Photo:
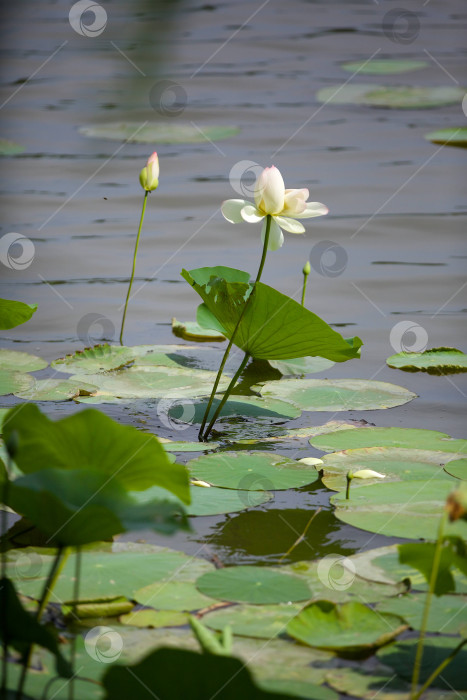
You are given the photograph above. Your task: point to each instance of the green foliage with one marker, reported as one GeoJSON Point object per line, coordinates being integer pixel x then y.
{"type": "Point", "coordinates": [14, 313]}
{"type": "Point", "coordinates": [420, 556]}
{"type": "Point", "coordinates": [434, 361]}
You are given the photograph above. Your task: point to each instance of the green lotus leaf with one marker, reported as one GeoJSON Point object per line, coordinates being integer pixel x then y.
{"type": "Point", "coordinates": [457, 468]}
{"type": "Point", "coordinates": [414, 438]}
{"type": "Point", "coordinates": [346, 628]}
{"type": "Point", "coordinates": [12, 382]}
{"type": "Point", "coordinates": [253, 584]}
{"type": "Point", "coordinates": [337, 394]}
{"type": "Point", "coordinates": [247, 406]}
{"type": "Point", "coordinates": [273, 326]}
{"type": "Point", "coordinates": [391, 97]}
{"type": "Point", "coordinates": [56, 390]}
{"type": "Point", "coordinates": [172, 595]}
{"type": "Point", "coordinates": [190, 330]}
{"type": "Point", "coordinates": [10, 148]}
{"type": "Point", "coordinates": [454, 136]}
{"type": "Point", "coordinates": [434, 361]}
{"type": "Point", "coordinates": [445, 616]}
{"type": "Point", "coordinates": [155, 618]}
{"type": "Point", "coordinates": [14, 313]}
{"type": "Point", "coordinates": [135, 132]}
{"type": "Point", "coordinates": [262, 621]}
{"type": "Point", "coordinates": [384, 66]}
{"type": "Point", "coordinates": [301, 365]}
{"type": "Point", "coordinates": [20, 361]}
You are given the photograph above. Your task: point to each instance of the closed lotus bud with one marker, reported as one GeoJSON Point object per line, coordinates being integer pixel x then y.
{"type": "Point", "coordinates": [307, 268]}
{"type": "Point", "coordinates": [368, 474]}
{"type": "Point", "coordinates": [149, 176]}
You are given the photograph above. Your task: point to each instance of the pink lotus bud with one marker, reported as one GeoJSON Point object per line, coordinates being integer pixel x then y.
{"type": "Point", "coordinates": [270, 191]}
{"type": "Point", "coordinates": [149, 176]}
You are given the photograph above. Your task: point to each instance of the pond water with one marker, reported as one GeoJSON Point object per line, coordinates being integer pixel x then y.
{"type": "Point", "coordinates": [397, 215]}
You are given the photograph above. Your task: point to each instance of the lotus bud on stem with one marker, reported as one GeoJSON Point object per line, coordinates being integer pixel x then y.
{"type": "Point", "coordinates": [349, 478]}
{"type": "Point", "coordinates": [306, 271]}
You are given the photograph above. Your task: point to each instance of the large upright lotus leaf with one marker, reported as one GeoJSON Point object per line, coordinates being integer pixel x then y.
{"type": "Point", "coordinates": [457, 468]}
{"type": "Point", "coordinates": [172, 595]}
{"type": "Point", "coordinates": [90, 439]}
{"type": "Point", "coordinates": [415, 438]}
{"type": "Point", "coordinates": [346, 628]}
{"type": "Point", "coordinates": [382, 565]}
{"type": "Point", "coordinates": [392, 97]}
{"type": "Point", "coordinates": [177, 674]}
{"type": "Point", "coordinates": [446, 612]}
{"type": "Point", "coordinates": [168, 132]}
{"type": "Point", "coordinates": [453, 136]}
{"type": "Point", "coordinates": [273, 326]}
{"type": "Point", "coordinates": [384, 66]}
{"type": "Point", "coordinates": [337, 394]}
{"type": "Point", "coordinates": [107, 570]}
{"type": "Point", "coordinates": [401, 657]}
{"type": "Point", "coordinates": [399, 509]}
{"type": "Point", "coordinates": [252, 471]}
{"type": "Point", "coordinates": [434, 361]}
{"type": "Point", "coordinates": [247, 406]}
{"type": "Point", "coordinates": [56, 390]}
{"type": "Point", "coordinates": [14, 313]}
{"type": "Point", "coordinates": [262, 621]}
{"type": "Point", "coordinates": [301, 365]}
{"type": "Point", "coordinates": [77, 506]}
{"type": "Point", "coordinates": [212, 500]}
{"type": "Point", "coordinates": [253, 584]}
{"type": "Point", "coordinates": [140, 382]}
{"type": "Point", "coordinates": [23, 361]}
{"type": "Point", "coordinates": [394, 463]}
{"type": "Point", "coordinates": [12, 382]}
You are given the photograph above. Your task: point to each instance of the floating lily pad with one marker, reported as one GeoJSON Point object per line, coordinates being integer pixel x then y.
{"type": "Point", "coordinates": [155, 618]}
{"type": "Point", "coordinates": [172, 595]}
{"type": "Point", "coordinates": [56, 390]}
{"type": "Point", "coordinates": [415, 438]}
{"type": "Point", "coordinates": [434, 361]}
{"type": "Point", "coordinates": [23, 361]}
{"type": "Point", "coordinates": [212, 500]}
{"type": "Point", "coordinates": [457, 468]}
{"type": "Point", "coordinates": [13, 382]}
{"type": "Point", "coordinates": [367, 684]}
{"type": "Point", "coordinates": [302, 365]}
{"type": "Point", "coordinates": [253, 584]}
{"type": "Point", "coordinates": [297, 688]}
{"type": "Point", "coordinates": [456, 136]}
{"type": "Point", "coordinates": [392, 97]}
{"type": "Point", "coordinates": [262, 621]}
{"type": "Point", "coordinates": [14, 313]}
{"type": "Point", "coordinates": [346, 628]}
{"type": "Point", "coordinates": [135, 132]}
{"type": "Point", "coordinates": [399, 509]}
{"type": "Point", "coordinates": [394, 463]}
{"type": "Point", "coordinates": [337, 394]}
{"type": "Point", "coordinates": [190, 330]}
{"type": "Point", "coordinates": [246, 406]}
{"type": "Point", "coordinates": [10, 148]}
{"type": "Point", "coordinates": [173, 446]}
{"type": "Point", "coordinates": [252, 471]}
{"type": "Point", "coordinates": [383, 66]}
{"type": "Point", "coordinates": [446, 612]}
{"type": "Point", "coordinates": [107, 570]}
{"type": "Point", "coordinates": [97, 608]}
{"type": "Point", "coordinates": [155, 382]}
{"type": "Point", "coordinates": [401, 656]}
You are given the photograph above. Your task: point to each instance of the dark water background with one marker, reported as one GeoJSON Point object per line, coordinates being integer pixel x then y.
{"type": "Point", "coordinates": [397, 211]}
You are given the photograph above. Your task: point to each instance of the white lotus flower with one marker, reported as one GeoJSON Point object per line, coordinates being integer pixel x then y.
{"type": "Point", "coordinates": [271, 198]}
{"type": "Point", "coordinates": [368, 474]}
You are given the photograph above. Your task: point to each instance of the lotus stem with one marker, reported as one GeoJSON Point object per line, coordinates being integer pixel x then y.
{"type": "Point", "coordinates": [306, 271]}
{"type": "Point", "coordinates": [134, 265]}
{"type": "Point", "coordinates": [227, 393]}
{"type": "Point", "coordinates": [75, 603]}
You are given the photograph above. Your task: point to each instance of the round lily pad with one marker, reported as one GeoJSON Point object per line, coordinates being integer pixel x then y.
{"type": "Point", "coordinates": [262, 621]}
{"type": "Point", "coordinates": [383, 66]}
{"type": "Point", "coordinates": [302, 365]}
{"type": "Point", "coordinates": [253, 584]}
{"type": "Point", "coordinates": [296, 689]}
{"type": "Point", "coordinates": [155, 618]}
{"type": "Point", "coordinates": [13, 382]}
{"type": "Point", "coordinates": [394, 463]}
{"type": "Point", "coordinates": [368, 684]}
{"type": "Point", "coordinates": [172, 595]}
{"type": "Point", "coordinates": [135, 132]}
{"type": "Point", "coordinates": [392, 97]}
{"type": "Point", "coordinates": [56, 390]}
{"type": "Point", "coordinates": [415, 438]}
{"type": "Point", "coordinates": [434, 361]}
{"type": "Point", "coordinates": [10, 148]}
{"type": "Point", "coordinates": [456, 136]}
{"type": "Point", "coordinates": [155, 381]}
{"type": "Point", "coordinates": [254, 471]}
{"type": "Point", "coordinates": [446, 612]}
{"type": "Point", "coordinates": [337, 394]}
{"type": "Point", "coordinates": [190, 330]}
{"type": "Point", "coordinates": [247, 406]}
{"type": "Point", "coordinates": [180, 446]}
{"type": "Point", "coordinates": [399, 509]}
{"type": "Point", "coordinates": [20, 361]}
{"type": "Point", "coordinates": [349, 628]}
{"type": "Point", "coordinates": [457, 468]}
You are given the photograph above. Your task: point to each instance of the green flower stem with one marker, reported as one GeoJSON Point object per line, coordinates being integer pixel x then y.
{"type": "Point", "coordinates": [4, 611]}
{"type": "Point", "coordinates": [134, 265]}
{"type": "Point", "coordinates": [426, 610]}
{"type": "Point", "coordinates": [227, 393]}
{"type": "Point", "coordinates": [54, 573]}
{"type": "Point", "coordinates": [305, 281]}
{"type": "Point", "coordinates": [349, 478]}
{"type": "Point", "coordinates": [439, 669]}
{"type": "Point", "coordinates": [75, 603]}
{"type": "Point", "coordinates": [229, 346]}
